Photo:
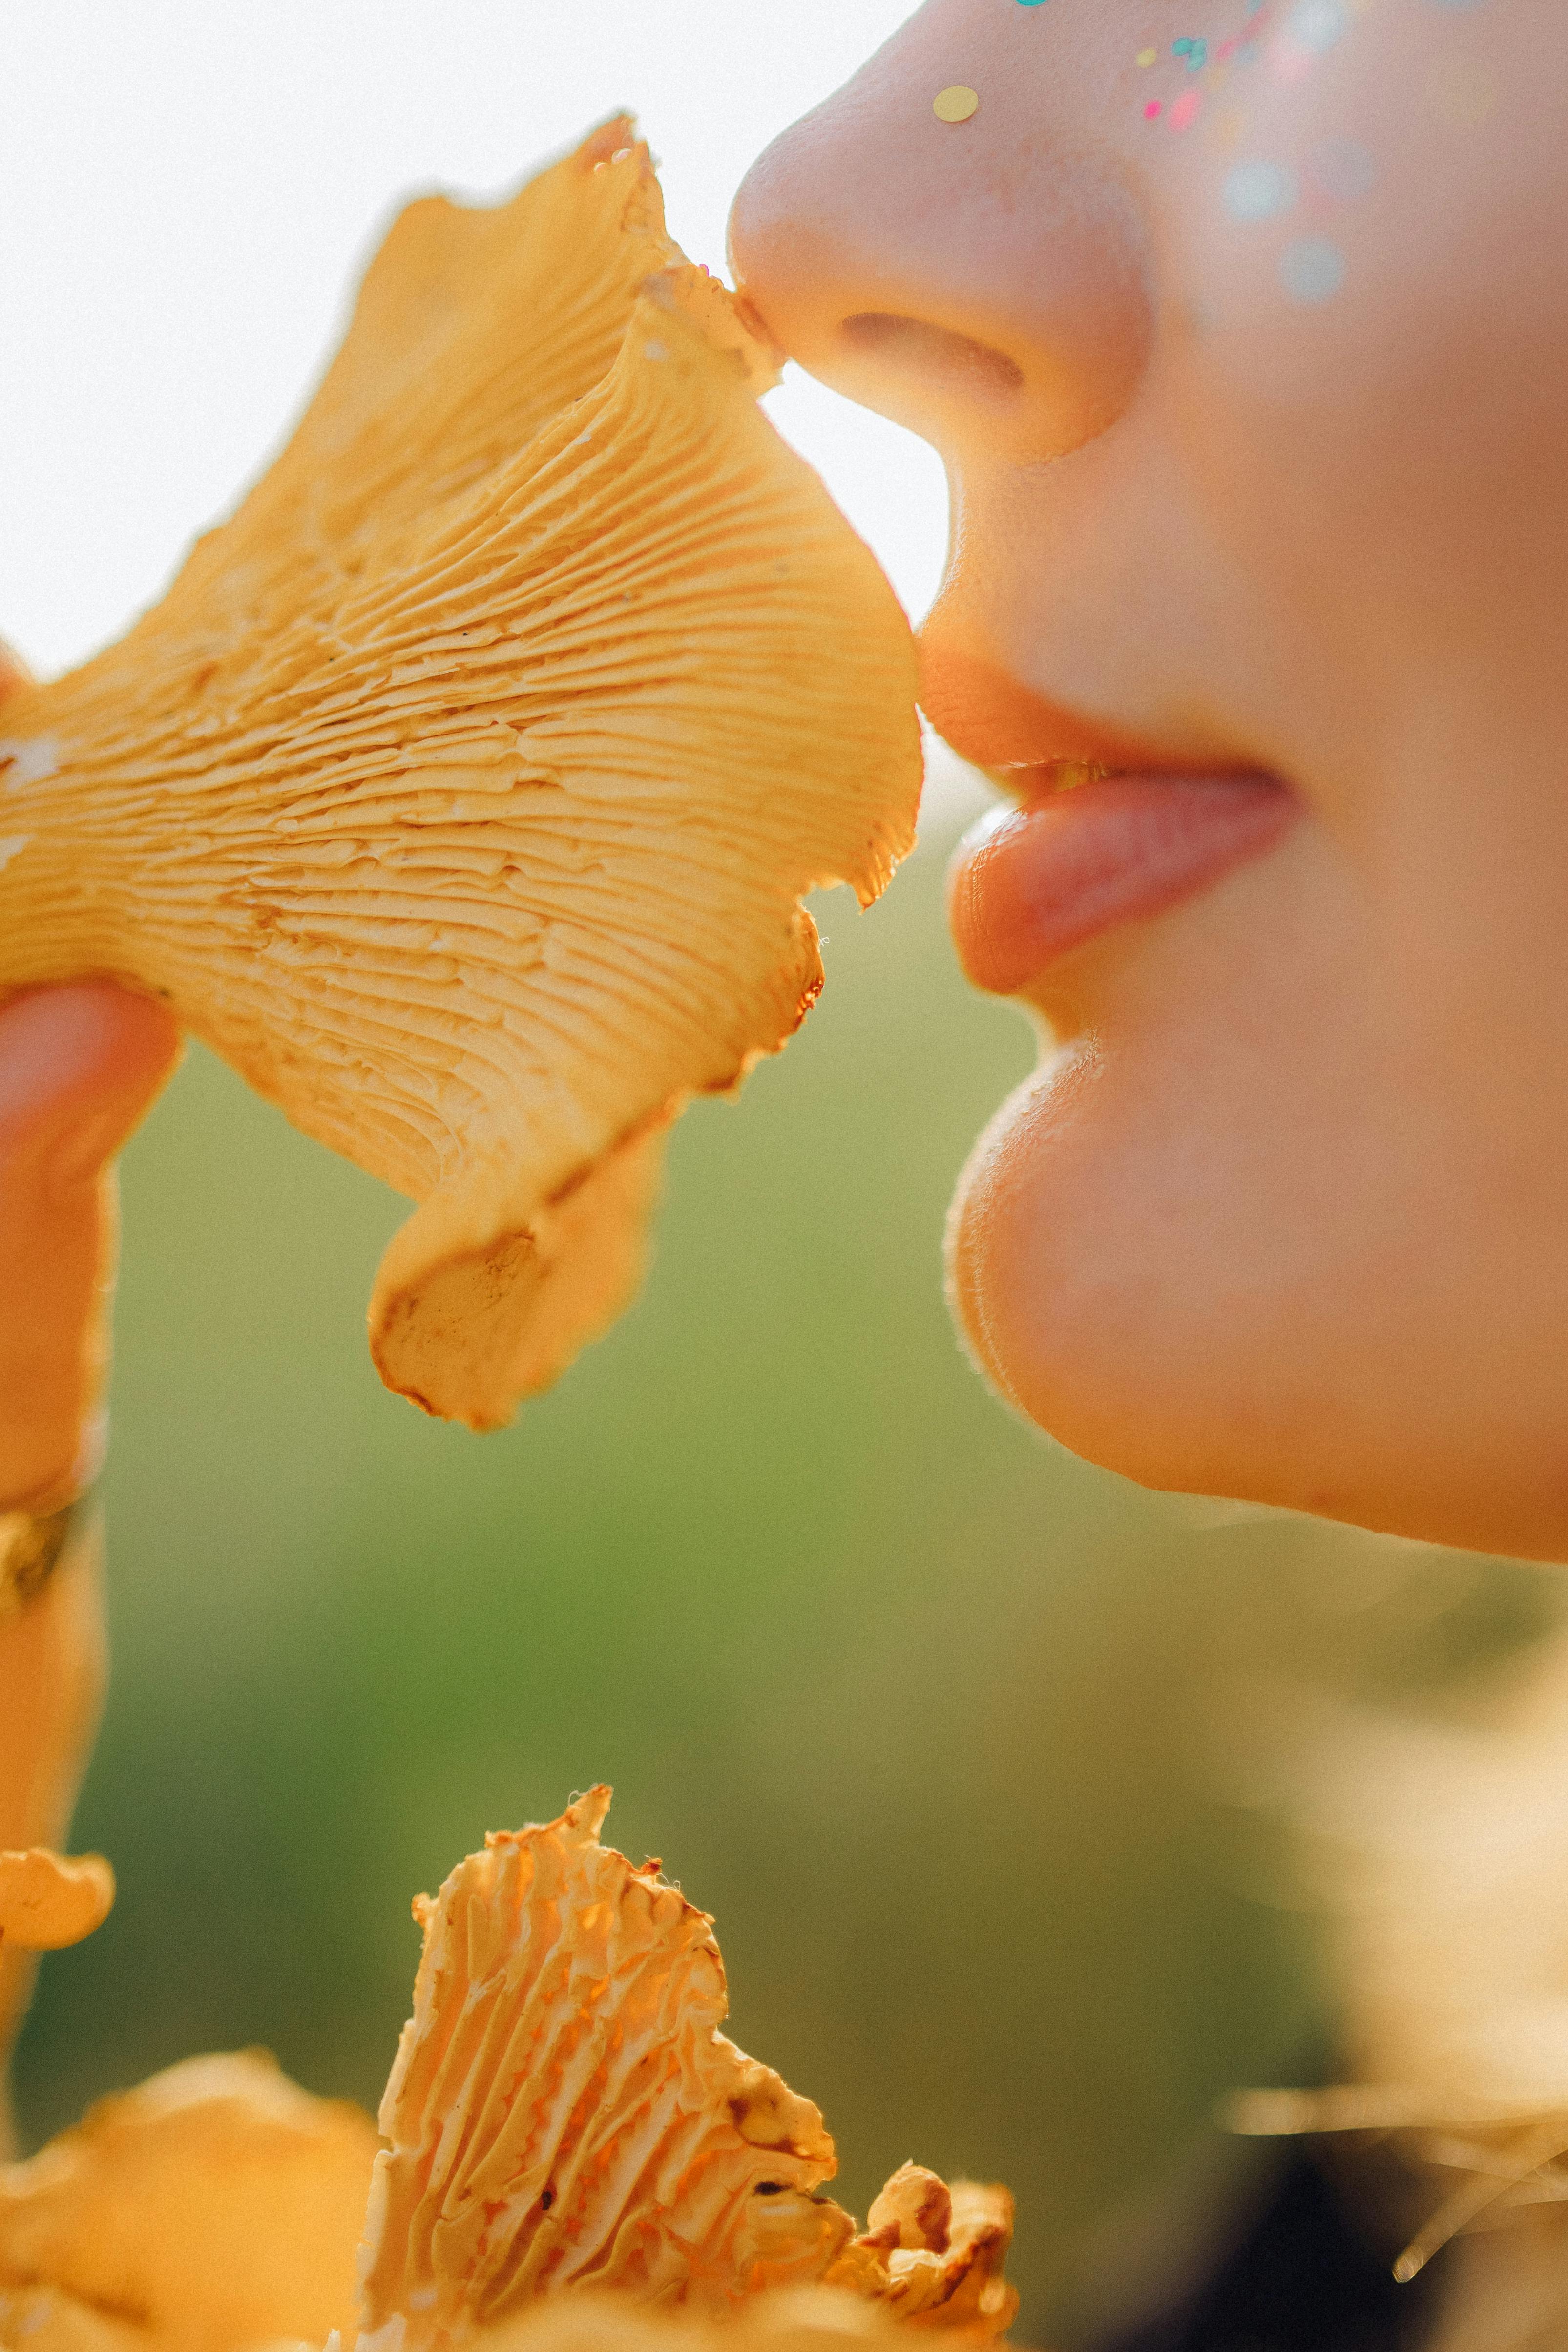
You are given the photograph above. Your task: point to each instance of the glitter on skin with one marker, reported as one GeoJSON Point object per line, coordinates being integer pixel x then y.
{"type": "Point", "coordinates": [1258, 191]}
{"type": "Point", "coordinates": [956, 103]}
{"type": "Point", "coordinates": [1311, 270]}
{"type": "Point", "coordinates": [1317, 25]}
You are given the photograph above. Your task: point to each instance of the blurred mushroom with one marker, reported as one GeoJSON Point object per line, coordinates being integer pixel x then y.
{"type": "Point", "coordinates": [213, 2208]}
{"type": "Point", "coordinates": [48, 1900]}
{"type": "Point", "coordinates": [464, 788]}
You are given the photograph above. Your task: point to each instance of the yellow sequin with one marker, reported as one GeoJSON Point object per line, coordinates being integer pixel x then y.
{"type": "Point", "coordinates": [954, 104]}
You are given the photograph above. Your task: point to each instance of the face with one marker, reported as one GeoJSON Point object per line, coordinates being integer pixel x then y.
{"type": "Point", "coordinates": [1243, 332]}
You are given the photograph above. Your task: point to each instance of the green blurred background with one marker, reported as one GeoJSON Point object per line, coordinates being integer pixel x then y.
{"type": "Point", "coordinates": [922, 1710]}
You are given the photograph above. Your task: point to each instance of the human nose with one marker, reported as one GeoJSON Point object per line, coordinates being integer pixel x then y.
{"type": "Point", "coordinates": [984, 282]}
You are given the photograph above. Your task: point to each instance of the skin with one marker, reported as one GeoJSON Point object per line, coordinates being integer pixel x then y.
{"type": "Point", "coordinates": [1283, 1214]}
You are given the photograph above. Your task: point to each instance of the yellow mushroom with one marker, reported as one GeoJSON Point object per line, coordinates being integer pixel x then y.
{"type": "Point", "coordinates": [564, 2120]}
{"type": "Point", "coordinates": [463, 790]}
{"type": "Point", "coordinates": [49, 1900]}
{"type": "Point", "coordinates": [565, 2111]}
{"type": "Point", "coordinates": [213, 2208]}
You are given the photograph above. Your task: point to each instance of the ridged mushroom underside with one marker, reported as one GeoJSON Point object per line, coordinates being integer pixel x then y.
{"type": "Point", "coordinates": [464, 788]}
{"type": "Point", "coordinates": [566, 2128]}
{"type": "Point", "coordinates": [565, 2113]}
{"type": "Point", "coordinates": [564, 2110]}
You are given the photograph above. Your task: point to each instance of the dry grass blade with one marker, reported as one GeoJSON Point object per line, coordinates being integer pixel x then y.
{"type": "Point", "coordinates": [1505, 2154]}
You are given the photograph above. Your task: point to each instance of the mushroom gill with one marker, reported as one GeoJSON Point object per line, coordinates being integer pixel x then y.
{"type": "Point", "coordinates": [464, 788]}
{"type": "Point", "coordinates": [566, 2131]}
{"type": "Point", "coordinates": [565, 2113]}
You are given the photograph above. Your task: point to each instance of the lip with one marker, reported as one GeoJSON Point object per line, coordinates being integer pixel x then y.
{"type": "Point", "coordinates": [1033, 882]}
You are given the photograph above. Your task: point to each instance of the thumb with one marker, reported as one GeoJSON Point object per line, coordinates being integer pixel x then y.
{"type": "Point", "coordinates": [79, 1066]}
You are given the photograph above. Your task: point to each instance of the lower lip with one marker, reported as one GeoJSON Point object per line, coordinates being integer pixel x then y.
{"type": "Point", "coordinates": [1034, 882]}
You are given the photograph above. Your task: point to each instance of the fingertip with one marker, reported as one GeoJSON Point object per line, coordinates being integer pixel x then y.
{"type": "Point", "coordinates": [91, 1055]}
{"type": "Point", "coordinates": [14, 671]}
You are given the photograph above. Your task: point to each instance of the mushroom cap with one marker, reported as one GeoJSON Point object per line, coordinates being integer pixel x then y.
{"type": "Point", "coordinates": [49, 1900]}
{"type": "Point", "coordinates": [464, 788]}
{"type": "Point", "coordinates": [213, 2208]}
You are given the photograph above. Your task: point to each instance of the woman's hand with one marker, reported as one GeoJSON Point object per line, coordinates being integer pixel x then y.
{"type": "Point", "coordinates": [79, 1066]}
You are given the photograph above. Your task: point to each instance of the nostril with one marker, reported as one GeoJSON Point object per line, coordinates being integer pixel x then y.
{"type": "Point", "coordinates": [935, 358]}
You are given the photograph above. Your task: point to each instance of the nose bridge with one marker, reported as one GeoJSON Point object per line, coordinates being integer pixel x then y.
{"type": "Point", "coordinates": [984, 281]}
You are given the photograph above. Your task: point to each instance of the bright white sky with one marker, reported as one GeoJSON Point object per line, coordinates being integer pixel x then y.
{"type": "Point", "coordinates": [187, 193]}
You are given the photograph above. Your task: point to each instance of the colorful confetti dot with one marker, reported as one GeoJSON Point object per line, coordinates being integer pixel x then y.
{"type": "Point", "coordinates": [1185, 110]}
{"type": "Point", "coordinates": [1147, 56]}
{"type": "Point", "coordinates": [955, 103]}
{"type": "Point", "coordinates": [1258, 191]}
{"type": "Point", "coordinates": [1317, 25]}
{"type": "Point", "coordinates": [1153, 112]}
{"type": "Point", "coordinates": [1311, 270]}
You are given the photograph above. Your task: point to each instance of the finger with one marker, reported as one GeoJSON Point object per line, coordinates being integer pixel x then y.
{"type": "Point", "coordinates": [79, 1066]}
{"type": "Point", "coordinates": [14, 670]}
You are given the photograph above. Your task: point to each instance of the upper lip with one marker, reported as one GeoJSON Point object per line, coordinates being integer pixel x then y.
{"type": "Point", "coordinates": [1024, 739]}
{"type": "Point", "coordinates": [1048, 776]}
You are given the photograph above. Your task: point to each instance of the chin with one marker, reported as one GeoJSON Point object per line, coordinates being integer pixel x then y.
{"type": "Point", "coordinates": [1206, 1247]}
{"type": "Point", "coordinates": [1087, 1297]}
{"type": "Point", "coordinates": [1150, 1335]}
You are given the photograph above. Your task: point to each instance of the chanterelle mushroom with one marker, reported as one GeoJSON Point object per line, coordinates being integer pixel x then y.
{"type": "Point", "coordinates": [564, 2120]}
{"type": "Point", "coordinates": [49, 1900]}
{"type": "Point", "coordinates": [213, 2208]}
{"type": "Point", "coordinates": [565, 2111]}
{"type": "Point", "coordinates": [463, 789]}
